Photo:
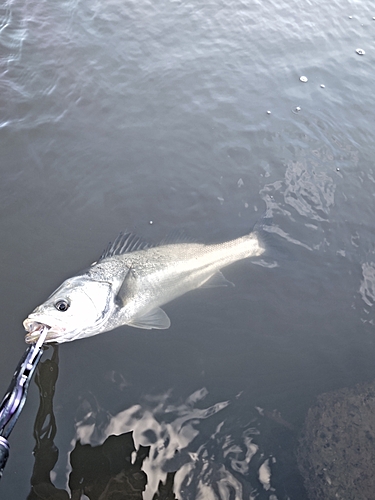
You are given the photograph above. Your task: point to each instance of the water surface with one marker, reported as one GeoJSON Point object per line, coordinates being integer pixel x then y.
{"type": "Point", "coordinates": [151, 117]}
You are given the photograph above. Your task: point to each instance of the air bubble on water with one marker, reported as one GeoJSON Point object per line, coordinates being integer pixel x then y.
{"type": "Point", "coordinates": [361, 52]}
{"type": "Point", "coordinates": [337, 169]}
{"type": "Point", "coordinates": [322, 86]}
{"type": "Point", "coordinates": [151, 222]}
{"type": "Point", "coordinates": [296, 109]}
{"type": "Point", "coordinates": [268, 112]}
{"type": "Point", "coordinates": [303, 79]}
{"type": "Point", "coordinates": [350, 17]}
{"type": "Point", "coordinates": [240, 182]}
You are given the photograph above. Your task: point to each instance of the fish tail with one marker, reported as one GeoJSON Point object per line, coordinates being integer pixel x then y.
{"type": "Point", "coordinates": [259, 235]}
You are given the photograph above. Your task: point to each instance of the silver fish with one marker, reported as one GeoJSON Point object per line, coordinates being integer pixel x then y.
{"type": "Point", "coordinates": [130, 282]}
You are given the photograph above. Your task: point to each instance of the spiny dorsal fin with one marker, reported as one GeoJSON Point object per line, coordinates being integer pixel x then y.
{"type": "Point", "coordinates": [124, 243]}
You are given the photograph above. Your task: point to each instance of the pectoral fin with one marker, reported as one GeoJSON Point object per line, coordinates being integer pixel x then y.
{"type": "Point", "coordinates": [156, 318]}
{"type": "Point", "coordinates": [127, 289]}
{"type": "Point", "coordinates": [216, 280]}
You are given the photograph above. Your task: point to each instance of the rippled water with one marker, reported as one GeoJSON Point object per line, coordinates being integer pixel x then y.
{"type": "Point", "coordinates": [152, 116]}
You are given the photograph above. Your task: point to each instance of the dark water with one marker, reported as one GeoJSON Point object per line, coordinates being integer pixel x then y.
{"type": "Point", "coordinates": [115, 114]}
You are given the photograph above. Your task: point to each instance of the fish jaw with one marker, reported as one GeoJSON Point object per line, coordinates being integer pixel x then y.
{"type": "Point", "coordinates": [34, 326]}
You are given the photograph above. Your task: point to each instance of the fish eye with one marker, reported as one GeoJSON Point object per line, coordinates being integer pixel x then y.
{"type": "Point", "coordinates": [62, 305]}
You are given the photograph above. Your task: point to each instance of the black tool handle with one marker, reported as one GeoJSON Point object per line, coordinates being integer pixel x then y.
{"type": "Point", "coordinates": [4, 453]}
{"type": "Point", "coordinates": [15, 397]}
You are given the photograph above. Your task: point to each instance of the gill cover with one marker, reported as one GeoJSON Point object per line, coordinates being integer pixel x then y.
{"type": "Point", "coordinates": [86, 299]}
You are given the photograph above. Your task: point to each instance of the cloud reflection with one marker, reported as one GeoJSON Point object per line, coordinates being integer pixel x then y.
{"type": "Point", "coordinates": [367, 287]}
{"type": "Point", "coordinates": [194, 443]}
{"type": "Point", "coordinates": [158, 449]}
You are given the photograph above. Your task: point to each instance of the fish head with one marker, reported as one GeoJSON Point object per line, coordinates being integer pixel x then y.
{"type": "Point", "coordinates": [80, 307]}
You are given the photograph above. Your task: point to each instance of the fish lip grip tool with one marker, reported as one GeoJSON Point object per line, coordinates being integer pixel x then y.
{"type": "Point", "coordinates": [15, 397]}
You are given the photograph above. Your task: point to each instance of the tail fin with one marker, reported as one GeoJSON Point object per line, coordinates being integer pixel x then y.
{"type": "Point", "coordinates": [273, 246]}
{"type": "Point", "coordinates": [260, 232]}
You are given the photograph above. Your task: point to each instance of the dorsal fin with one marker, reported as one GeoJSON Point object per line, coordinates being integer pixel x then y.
{"type": "Point", "coordinates": [124, 243]}
{"type": "Point", "coordinates": [176, 236]}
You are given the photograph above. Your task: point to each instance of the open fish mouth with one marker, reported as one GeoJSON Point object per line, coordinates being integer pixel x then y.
{"type": "Point", "coordinates": [35, 328]}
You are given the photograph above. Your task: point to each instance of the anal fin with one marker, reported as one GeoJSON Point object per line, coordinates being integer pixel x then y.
{"type": "Point", "coordinates": [157, 318]}
{"type": "Point", "coordinates": [215, 280]}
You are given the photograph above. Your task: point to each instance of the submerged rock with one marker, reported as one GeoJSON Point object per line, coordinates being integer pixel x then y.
{"type": "Point", "coordinates": [336, 454]}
